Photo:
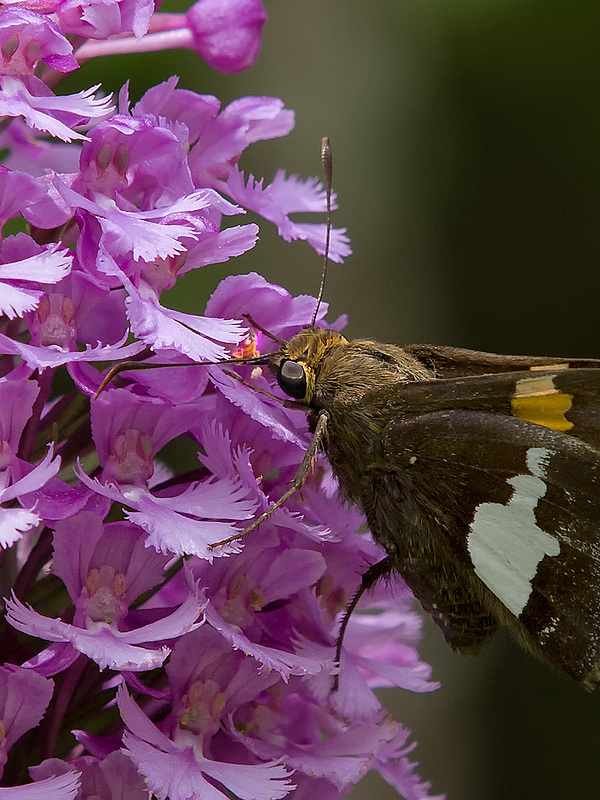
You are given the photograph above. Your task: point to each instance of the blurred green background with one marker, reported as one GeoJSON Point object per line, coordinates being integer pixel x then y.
{"type": "Point", "coordinates": [467, 162]}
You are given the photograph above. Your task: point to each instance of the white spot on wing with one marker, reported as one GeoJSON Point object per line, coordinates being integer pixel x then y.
{"type": "Point", "coordinates": [506, 544]}
{"type": "Point", "coordinates": [537, 461]}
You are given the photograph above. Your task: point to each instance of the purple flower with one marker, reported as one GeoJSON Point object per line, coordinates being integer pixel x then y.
{"type": "Point", "coordinates": [26, 38]}
{"type": "Point", "coordinates": [64, 786]}
{"type": "Point", "coordinates": [18, 193]}
{"type": "Point", "coordinates": [238, 589]}
{"type": "Point", "coordinates": [24, 696]}
{"type": "Point", "coordinates": [36, 265]}
{"type": "Point", "coordinates": [393, 765]}
{"type": "Point", "coordinates": [31, 154]}
{"type": "Point", "coordinates": [105, 568]}
{"type": "Point", "coordinates": [114, 163]}
{"type": "Point", "coordinates": [284, 196]}
{"type": "Point", "coordinates": [227, 33]}
{"type": "Point", "coordinates": [197, 658]}
{"type": "Point", "coordinates": [111, 776]}
{"type": "Point", "coordinates": [99, 20]}
{"type": "Point", "coordinates": [74, 311]}
{"type": "Point", "coordinates": [19, 480]}
{"type": "Point", "coordinates": [216, 138]}
{"type": "Point", "coordinates": [47, 113]}
{"type": "Point", "coordinates": [181, 759]}
{"type": "Point", "coordinates": [128, 431]}
{"type": "Point", "coordinates": [14, 521]}
{"type": "Point", "coordinates": [17, 396]}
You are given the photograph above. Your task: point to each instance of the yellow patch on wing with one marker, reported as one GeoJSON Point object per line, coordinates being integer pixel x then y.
{"type": "Point", "coordinates": [565, 365]}
{"type": "Point", "coordinates": [537, 399]}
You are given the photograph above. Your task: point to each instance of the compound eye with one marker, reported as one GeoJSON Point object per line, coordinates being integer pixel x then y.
{"type": "Point", "coordinates": [292, 379]}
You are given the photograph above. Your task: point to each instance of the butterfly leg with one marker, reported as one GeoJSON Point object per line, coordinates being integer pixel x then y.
{"type": "Point", "coordinates": [297, 483]}
{"type": "Point", "coordinates": [368, 580]}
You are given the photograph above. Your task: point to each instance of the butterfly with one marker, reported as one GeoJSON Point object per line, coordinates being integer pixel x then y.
{"type": "Point", "coordinates": [479, 474]}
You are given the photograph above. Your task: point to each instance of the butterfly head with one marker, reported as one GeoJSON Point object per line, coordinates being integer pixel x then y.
{"type": "Point", "coordinates": [297, 364]}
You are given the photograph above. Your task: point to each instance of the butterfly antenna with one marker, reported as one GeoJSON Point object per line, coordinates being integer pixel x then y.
{"type": "Point", "coordinates": [127, 366]}
{"type": "Point", "coordinates": [327, 163]}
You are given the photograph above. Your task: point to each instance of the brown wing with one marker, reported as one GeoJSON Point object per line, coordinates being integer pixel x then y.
{"type": "Point", "coordinates": [454, 362]}
{"type": "Point", "coordinates": [494, 518]}
{"type": "Point", "coordinates": [565, 399]}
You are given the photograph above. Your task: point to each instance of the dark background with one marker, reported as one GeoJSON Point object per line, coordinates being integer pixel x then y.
{"type": "Point", "coordinates": [467, 162]}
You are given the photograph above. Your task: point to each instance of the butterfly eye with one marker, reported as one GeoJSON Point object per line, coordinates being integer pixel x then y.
{"type": "Point", "coordinates": [292, 379]}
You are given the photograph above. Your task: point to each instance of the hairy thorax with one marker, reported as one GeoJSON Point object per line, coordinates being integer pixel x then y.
{"type": "Point", "coordinates": [350, 381]}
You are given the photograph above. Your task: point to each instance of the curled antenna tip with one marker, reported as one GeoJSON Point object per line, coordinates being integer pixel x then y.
{"type": "Point", "coordinates": [327, 162]}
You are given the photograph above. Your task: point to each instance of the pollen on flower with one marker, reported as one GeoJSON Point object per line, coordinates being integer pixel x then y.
{"type": "Point", "coordinates": [131, 458]}
{"type": "Point", "coordinates": [204, 706]}
{"type": "Point", "coordinates": [244, 597]}
{"type": "Point", "coordinates": [53, 322]}
{"type": "Point", "coordinates": [6, 457]}
{"type": "Point", "coordinates": [248, 347]}
{"type": "Point", "coordinates": [20, 55]}
{"type": "Point", "coordinates": [260, 718]}
{"type": "Point", "coordinates": [161, 273]}
{"type": "Point", "coordinates": [9, 47]}
{"type": "Point", "coordinates": [110, 165]}
{"type": "Point", "coordinates": [104, 158]}
{"type": "Point", "coordinates": [333, 597]}
{"type": "Point", "coordinates": [117, 156]}
{"type": "Point", "coordinates": [121, 158]}
{"type": "Point", "coordinates": [106, 589]}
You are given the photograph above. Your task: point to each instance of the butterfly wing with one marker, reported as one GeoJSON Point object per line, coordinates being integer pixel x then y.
{"type": "Point", "coordinates": [493, 518]}
{"type": "Point", "coordinates": [455, 362]}
{"type": "Point", "coordinates": [565, 399]}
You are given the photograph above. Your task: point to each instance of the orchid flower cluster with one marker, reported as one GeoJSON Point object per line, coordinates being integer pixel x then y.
{"type": "Point", "coordinates": [145, 650]}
